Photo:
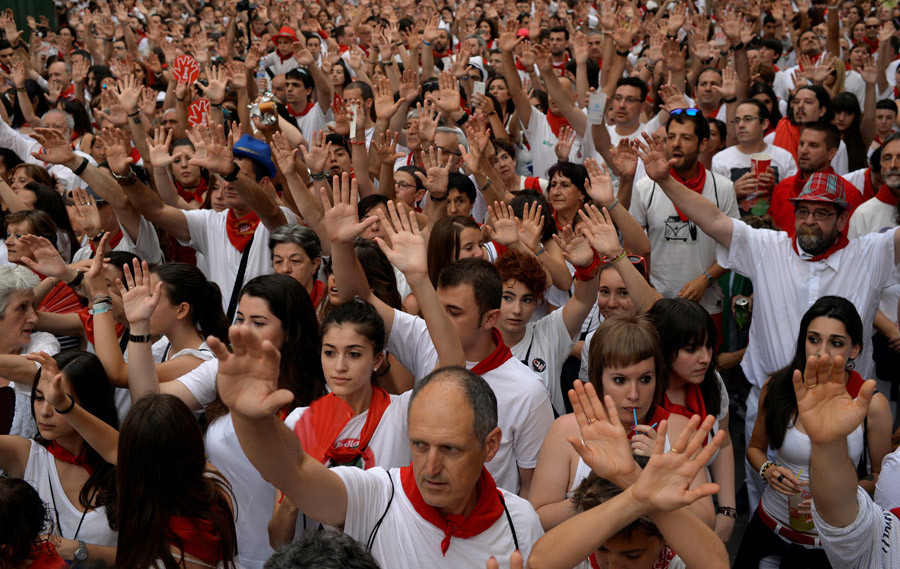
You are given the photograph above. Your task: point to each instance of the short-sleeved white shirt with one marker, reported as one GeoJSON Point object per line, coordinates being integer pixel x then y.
{"type": "Point", "coordinates": [887, 488]}
{"type": "Point", "coordinates": [313, 120]}
{"type": "Point", "coordinates": [146, 246]}
{"type": "Point", "coordinates": [732, 163]}
{"type": "Point", "coordinates": [544, 349]}
{"type": "Point", "coordinates": [543, 141]}
{"type": "Point", "coordinates": [523, 406]}
{"type": "Point", "coordinates": [785, 286]}
{"type": "Point", "coordinates": [201, 381]}
{"type": "Point", "coordinates": [406, 540]}
{"type": "Point", "coordinates": [871, 541]}
{"type": "Point", "coordinates": [681, 251]}
{"type": "Point", "coordinates": [209, 237]}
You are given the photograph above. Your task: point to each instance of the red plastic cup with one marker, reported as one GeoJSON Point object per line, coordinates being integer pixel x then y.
{"type": "Point", "coordinates": [759, 163]}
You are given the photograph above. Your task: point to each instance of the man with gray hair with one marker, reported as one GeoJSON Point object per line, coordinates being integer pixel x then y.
{"type": "Point", "coordinates": [322, 549]}
{"type": "Point", "coordinates": [443, 510]}
{"type": "Point", "coordinates": [24, 146]}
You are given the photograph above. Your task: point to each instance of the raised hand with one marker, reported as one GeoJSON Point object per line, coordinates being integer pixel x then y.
{"type": "Point", "coordinates": [653, 153]}
{"type": "Point", "coordinates": [316, 156]}
{"type": "Point", "coordinates": [564, 146]}
{"type": "Point", "coordinates": [599, 187]}
{"type": "Point", "coordinates": [531, 228]}
{"type": "Point", "coordinates": [303, 55]}
{"type": "Point", "coordinates": [387, 148]}
{"type": "Point", "coordinates": [139, 300]}
{"type": "Point", "coordinates": [576, 249]}
{"type": "Point", "coordinates": [408, 250]}
{"type": "Point", "coordinates": [55, 149]}
{"type": "Point", "coordinates": [342, 112]}
{"type": "Point", "coordinates": [47, 260]}
{"type": "Point", "coordinates": [826, 409]}
{"type": "Point", "coordinates": [598, 229]}
{"type": "Point", "coordinates": [604, 443]}
{"type": "Point", "coordinates": [509, 38]}
{"type": "Point", "coordinates": [626, 158]}
{"type": "Point", "coordinates": [283, 153]}
{"type": "Point", "coordinates": [118, 150]}
{"type": "Point", "coordinates": [53, 391]}
{"type": "Point", "coordinates": [217, 77]}
{"type": "Point", "coordinates": [385, 106]}
{"type": "Point", "coordinates": [87, 215]}
{"type": "Point", "coordinates": [219, 157]}
{"type": "Point", "coordinates": [147, 104]}
{"type": "Point", "coordinates": [341, 220]}
{"type": "Point", "coordinates": [409, 86]}
{"type": "Point", "coordinates": [448, 95]}
{"type": "Point", "coordinates": [436, 175]}
{"type": "Point", "coordinates": [247, 379]}
{"type": "Point", "coordinates": [236, 75]}
{"type": "Point", "coordinates": [580, 48]}
{"type": "Point", "coordinates": [728, 90]}
{"type": "Point", "coordinates": [428, 122]}
{"type": "Point", "coordinates": [502, 225]}
{"type": "Point", "coordinates": [159, 149]}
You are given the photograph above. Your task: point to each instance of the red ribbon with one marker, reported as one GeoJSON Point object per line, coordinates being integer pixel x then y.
{"type": "Point", "coordinates": [487, 510]}
{"type": "Point", "coordinates": [61, 454]}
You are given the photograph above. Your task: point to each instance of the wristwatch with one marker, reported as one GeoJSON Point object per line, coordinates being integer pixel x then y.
{"type": "Point", "coordinates": [709, 278]}
{"type": "Point", "coordinates": [81, 553]}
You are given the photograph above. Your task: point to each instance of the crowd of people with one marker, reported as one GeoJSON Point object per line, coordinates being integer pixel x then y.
{"type": "Point", "coordinates": [295, 284]}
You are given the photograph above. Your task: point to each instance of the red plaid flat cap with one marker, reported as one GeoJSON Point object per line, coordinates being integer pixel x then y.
{"type": "Point", "coordinates": [823, 187]}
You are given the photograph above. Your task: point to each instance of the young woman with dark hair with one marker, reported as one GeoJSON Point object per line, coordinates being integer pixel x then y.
{"type": "Point", "coordinates": [68, 463]}
{"type": "Point", "coordinates": [274, 307]}
{"type": "Point", "coordinates": [24, 526]}
{"type": "Point", "coordinates": [453, 238]}
{"type": "Point", "coordinates": [781, 529]}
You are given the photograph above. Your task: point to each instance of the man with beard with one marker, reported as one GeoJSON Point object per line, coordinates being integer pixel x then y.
{"type": "Point", "coordinates": [807, 44]}
{"type": "Point", "coordinates": [684, 260]}
{"type": "Point", "coordinates": [818, 145]}
{"type": "Point", "coordinates": [809, 104]}
{"type": "Point", "coordinates": [879, 215]}
{"type": "Point", "coordinates": [788, 274]}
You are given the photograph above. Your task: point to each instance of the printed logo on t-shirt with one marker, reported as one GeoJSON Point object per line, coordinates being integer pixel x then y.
{"type": "Point", "coordinates": [538, 365]}
{"type": "Point", "coordinates": [678, 230]}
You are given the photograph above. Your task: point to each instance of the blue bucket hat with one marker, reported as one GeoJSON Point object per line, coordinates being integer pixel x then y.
{"type": "Point", "coordinates": [249, 147]}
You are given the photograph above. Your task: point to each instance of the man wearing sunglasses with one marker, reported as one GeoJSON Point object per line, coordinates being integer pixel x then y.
{"type": "Point", "coordinates": [789, 274]}
{"type": "Point", "coordinates": [684, 258]}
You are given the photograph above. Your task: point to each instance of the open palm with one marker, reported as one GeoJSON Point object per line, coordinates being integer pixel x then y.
{"type": "Point", "coordinates": [826, 409]}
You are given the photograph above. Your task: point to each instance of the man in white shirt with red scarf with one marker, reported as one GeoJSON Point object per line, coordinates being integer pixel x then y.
{"type": "Point", "coordinates": [789, 274]}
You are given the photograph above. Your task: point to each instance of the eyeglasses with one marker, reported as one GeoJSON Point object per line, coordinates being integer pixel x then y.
{"type": "Point", "coordinates": [404, 186]}
{"type": "Point", "coordinates": [818, 214]}
{"type": "Point", "coordinates": [629, 100]}
{"type": "Point", "coordinates": [748, 120]}
{"type": "Point", "coordinates": [873, 26]}
{"type": "Point", "coordinates": [688, 112]}
{"type": "Point", "coordinates": [448, 151]}
{"type": "Point", "coordinates": [639, 262]}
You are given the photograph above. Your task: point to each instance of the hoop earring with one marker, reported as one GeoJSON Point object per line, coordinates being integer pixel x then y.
{"type": "Point", "coordinates": [850, 365]}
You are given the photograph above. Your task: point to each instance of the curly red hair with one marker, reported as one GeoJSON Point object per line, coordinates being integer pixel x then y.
{"type": "Point", "coordinates": [515, 265]}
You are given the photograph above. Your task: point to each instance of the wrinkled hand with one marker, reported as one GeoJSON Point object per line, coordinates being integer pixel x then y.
{"type": "Point", "coordinates": [55, 149]}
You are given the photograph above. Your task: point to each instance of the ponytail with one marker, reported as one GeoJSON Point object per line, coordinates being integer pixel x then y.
{"type": "Point", "coordinates": [186, 283]}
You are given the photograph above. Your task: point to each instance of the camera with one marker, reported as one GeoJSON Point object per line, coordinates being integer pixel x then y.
{"type": "Point", "coordinates": [245, 5]}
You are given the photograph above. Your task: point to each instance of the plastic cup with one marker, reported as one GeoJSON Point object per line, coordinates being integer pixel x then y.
{"type": "Point", "coordinates": [799, 521]}
{"type": "Point", "coordinates": [759, 163]}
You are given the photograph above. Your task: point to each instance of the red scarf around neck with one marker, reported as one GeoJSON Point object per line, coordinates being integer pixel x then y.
{"type": "Point", "coordinates": [868, 189]}
{"type": "Point", "coordinates": [556, 122]}
{"type": "Point", "coordinates": [841, 242]}
{"type": "Point", "coordinates": [497, 358]}
{"type": "Point", "coordinates": [44, 556]}
{"type": "Point", "coordinates": [113, 241]}
{"type": "Point", "coordinates": [62, 455]}
{"type": "Point", "coordinates": [694, 404]}
{"type": "Point", "coordinates": [283, 58]}
{"type": "Point", "coordinates": [319, 428]}
{"type": "Point", "coordinates": [885, 195]}
{"type": "Point", "coordinates": [302, 113]}
{"type": "Point", "coordinates": [195, 195]}
{"type": "Point", "coordinates": [240, 229]}
{"type": "Point", "coordinates": [198, 537]}
{"type": "Point", "coordinates": [695, 184]}
{"type": "Point", "coordinates": [487, 510]}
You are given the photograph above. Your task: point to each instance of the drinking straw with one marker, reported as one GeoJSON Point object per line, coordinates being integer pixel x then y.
{"type": "Point", "coordinates": [635, 416]}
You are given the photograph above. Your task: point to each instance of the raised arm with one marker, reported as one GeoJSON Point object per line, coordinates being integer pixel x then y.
{"type": "Point", "coordinates": [563, 98]}
{"type": "Point", "coordinates": [324, 88]}
{"type": "Point", "coordinates": [507, 42]}
{"type": "Point", "coordinates": [247, 382]}
{"type": "Point", "coordinates": [600, 190]}
{"type": "Point", "coordinates": [709, 218]}
{"type": "Point", "coordinates": [578, 251]}
{"type": "Point", "coordinates": [309, 207]}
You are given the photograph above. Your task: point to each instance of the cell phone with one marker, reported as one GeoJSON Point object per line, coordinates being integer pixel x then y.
{"type": "Point", "coordinates": [479, 87]}
{"type": "Point", "coordinates": [216, 35]}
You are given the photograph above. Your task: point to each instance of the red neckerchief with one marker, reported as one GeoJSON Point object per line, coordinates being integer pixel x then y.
{"type": "Point", "coordinates": [60, 300]}
{"type": "Point", "coordinates": [695, 184]}
{"type": "Point", "coordinates": [44, 556]}
{"type": "Point", "coordinates": [198, 537]}
{"type": "Point", "coordinates": [240, 229]}
{"type": "Point", "coordinates": [713, 114]}
{"type": "Point", "coordinates": [868, 190]}
{"type": "Point", "coordinates": [61, 454]}
{"type": "Point", "coordinates": [113, 241]}
{"type": "Point", "coordinates": [885, 195]}
{"type": "Point", "coordinates": [87, 322]}
{"type": "Point", "coordinates": [192, 196]}
{"type": "Point", "coordinates": [135, 155]}
{"type": "Point", "coordinates": [841, 242]}
{"type": "Point", "coordinates": [69, 92]}
{"type": "Point", "coordinates": [343, 48]}
{"type": "Point", "coordinates": [520, 66]}
{"type": "Point", "coordinates": [308, 108]}
{"type": "Point", "coordinates": [556, 122]}
{"type": "Point", "coordinates": [896, 92]}
{"type": "Point", "coordinates": [533, 183]}
{"type": "Point", "coordinates": [487, 511]}
{"type": "Point", "coordinates": [497, 358]}
{"type": "Point", "coordinates": [872, 43]}
{"type": "Point", "coordinates": [563, 64]}
{"type": "Point", "coordinates": [323, 34]}
{"type": "Point", "coordinates": [694, 404]}
{"type": "Point", "coordinates": [854, 384]}
{"type": "Point", "coordinates": [787, 136]}
{"type": "Point", "coordinates": [660, 413]}
{"type": "Point", "coordinates": [440, 55]}
{"type": "Point", "coordinates": [318, 292]}
{"type": "Point", "coordinates": [283, 58]}
{"type": "Point", "coordinates": [319, 428]}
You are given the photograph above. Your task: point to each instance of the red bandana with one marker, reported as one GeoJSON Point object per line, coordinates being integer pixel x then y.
{"type": "Point", "coordinates": [487, 511]}
{"type": "Point", "coordinates": [497, 358]}
{"type": "Point", "coordinates": [695, 184]}
{"type": "Point", "coordinates": [198, 537]}
{"type": "Point", "coordinates": [319, 428]}
{"type": "Point", "coordinates": [885, 195]}
{"type": "Point", "coordinates": [694, 403]}
{"type": "Point", "coordinates": [87, 322]}
{"type": "Point", "coordinates": [868, 190]}
{"type": "Point", "coordinates": [520, 66]}
{"type": "Point", "coordinates": [192, 196]}
{"type": "Point", "coordinates": [318, 292]}
{"type": "Point", "coordinates": [113, 241]}
{"type": "Point", "coordinates": [556, 122]}
{"type": "Point", "coordinates": [308, 108]}
{"type": "Point", "coordinates": [44, 556]}
{"type": "Point", "coordinates": [841, 242]}
{"type": "Point", "coordinates": [240, 229]}
{"type": "Point", "coordinates": [61, 454]}
{"type": "Point", "coordinates": [563, 64]}
{"type": "Point", "coordinates": [283, 58]}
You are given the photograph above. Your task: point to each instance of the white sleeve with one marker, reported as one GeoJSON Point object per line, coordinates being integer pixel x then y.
{"type": "Point", "coordinates": [729, 202]}
{"type": "Point", "coordinates": [585, 353]}
{"type": "Point", "coordinates": [410, 343]}
{"type": "Point", "coordinates": [198, 221]}
{"type": "Point", "coordinates": [22, 145]}
{"type": "Point", "coordinates": [869, 542]}
{"type": "Point", "coordinates": [146, 245]}
{"type": "Point", "coordinates": [368, 493]}
{"type": "Point", "coordinates": [841, 162]}
{"type": "Point", "coordinates": [533, 428]}
{"type": "Point", "coordinates": [201, 381]}
{"type": "Point", "coordinates": [887, 489]}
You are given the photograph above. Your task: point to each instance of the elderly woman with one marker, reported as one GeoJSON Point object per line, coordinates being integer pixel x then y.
{"type": "Point", "coordinates": [17, 337]}
{"type": "Point", "coordinates": [297, 253]}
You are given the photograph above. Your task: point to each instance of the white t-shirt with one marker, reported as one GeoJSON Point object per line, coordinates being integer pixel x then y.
{"type": "Point", "coordinates": [146, 246]}
{"type": "Point", "coordinates": [681, 251]}
{"type": "Point", "coordinates": [544, 349]}
{"type": "Point", "coordinates": [871, 541]}
{"type": "Point", "coordinates": [312, 121]}
{"type": "Point", "coordinates": [732, 163]}
{"type": "Point", "coordinates": [542, 141]}
{"type": "Point", "coordinates": [887, 488]}
{"type": "Point", "coordinates": [209, 237]}
{"type": "Point", "coordinates": [41, 473]}
{"type": "Point", "coordinates": [23, 424]}
{"type": "Point", "coordinates": [201, 381]}
{"type": "Point", "coordinates": [24, 145]}
{"type": "Point", "coordinates": [523, 406]}
{"type": "Point", "coordinates": [406, 540]}
{"type": "Point", "coordinates": [857, 179]}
